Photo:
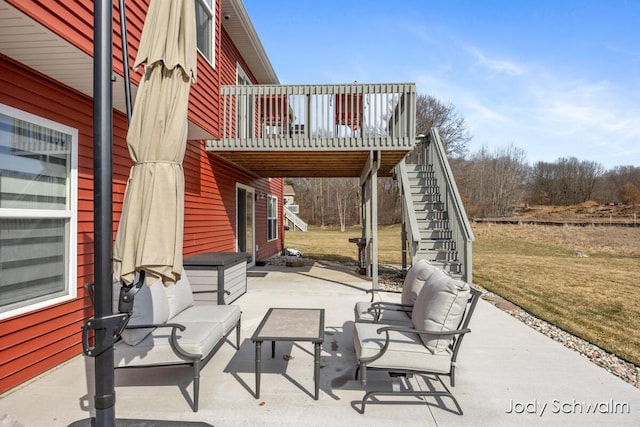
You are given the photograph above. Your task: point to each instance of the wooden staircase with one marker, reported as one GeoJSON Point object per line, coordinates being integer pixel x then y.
{"type": "Point", "coordinates": [435, 223]}
{"type": "Point", "coordinates": [436, 243]}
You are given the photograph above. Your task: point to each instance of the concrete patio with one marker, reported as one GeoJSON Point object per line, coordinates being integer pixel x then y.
{"type": "Point", "coordinates": [508, 375]}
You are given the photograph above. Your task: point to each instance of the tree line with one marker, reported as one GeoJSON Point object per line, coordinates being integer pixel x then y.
{"type": "Point", "coordinates": [491, 182]}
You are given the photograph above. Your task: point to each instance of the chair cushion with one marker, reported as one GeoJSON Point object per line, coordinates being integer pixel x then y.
{"type": "Point", "coordinates": [179, 295]}
{"type": "Point", "coordinates": [197, 338]}
{"type": "Point", "coordinates": [150, 306]}
{"type": "Point", "coordinates": [416, 277]}
{"type": "Point", "coordinates": [440, 307]}
{"type": "Point", "coordinates": [405, 352]}
{"type": "Point", "coordinates": [227, 315]}
{"type": "Point", "coordinates": [362, 314]}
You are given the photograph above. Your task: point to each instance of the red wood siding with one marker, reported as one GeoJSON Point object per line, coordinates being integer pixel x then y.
{"type": "Point", "coordinates": [227, 61]}
{"type": "Point", "coordinates": [73, 21]}
{"type": "Point", "coordinates": [34, 342]}
{"type": "Point", "coordinates": [37, 341]}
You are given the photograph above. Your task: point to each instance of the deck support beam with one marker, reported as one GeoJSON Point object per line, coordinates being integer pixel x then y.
{"type": "Point", "coordinates": [369, 192]}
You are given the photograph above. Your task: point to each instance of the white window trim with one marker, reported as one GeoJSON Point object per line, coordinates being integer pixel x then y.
{"type": "Point", "coordinates": [71, 212]}
{"type": "Point", "coordinates": [241, 74]}
{"type": "Point", "coordinates": [212, 12]}
{"type": "Point", "coordinates": [275, 218]}
{"type": "Point", "coordinates": [254, 249]}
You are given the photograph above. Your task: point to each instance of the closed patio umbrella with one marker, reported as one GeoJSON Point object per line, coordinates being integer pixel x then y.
{"type": "Point", "coordinates": [150, 231]}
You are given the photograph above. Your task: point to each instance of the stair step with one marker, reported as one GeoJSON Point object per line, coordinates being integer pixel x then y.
{"type": "Point", "coordinates": [431, 234]}
{"type": "Point", "coordinates": [444, 256]}
{"type": "Point", "coordinates": [413, 168]}
{"type": "Point", "coordinates": [421, 176]}
{"type": "Point", "coordinates": [437, 245]}
{"type": "Point", "coordinates": [438, 224]}
{"type": "Point", "coordinates": [422, 181]}
{"type": "Point", "coordinates": [454, 268]}
{"type": "Point", "coordinates": [424, 189]}
{"type": "Point", "coordinates": [436, 237]}
{"type": "Point", "coordinates": [431, 215]}
{"type": "Point", "coordinates": [425, 197]}
{"type": "Point", "coordinates": [428, 206]}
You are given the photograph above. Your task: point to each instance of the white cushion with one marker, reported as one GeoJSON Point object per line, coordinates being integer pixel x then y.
{"type": "Point", "coordinates": [416, 277]}
{"type": "Point", "coordinates": [179, 296]}
{"type": "Point", "coordinates": [227, 315]}
{"type": "Point", "coordinates": [150, 306]}
{"type": "Point", "coordinates": [440, 307]}
{"type": "Point", "coordinates": [198, 338]}
{"type": "Point", "coordinates": [405, 352]}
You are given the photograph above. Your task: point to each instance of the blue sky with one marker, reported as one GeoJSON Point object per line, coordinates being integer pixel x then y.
{"type": "Point", "coordinates": [555, 78]}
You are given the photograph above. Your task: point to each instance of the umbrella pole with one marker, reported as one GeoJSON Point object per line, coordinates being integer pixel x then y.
{"type": "Point", "coordinates": [125, 59]}
{"type": "Point", "coordinates": [102, 212]}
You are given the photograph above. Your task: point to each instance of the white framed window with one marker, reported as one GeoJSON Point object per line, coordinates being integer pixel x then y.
{"type": "Point", "coordinates": [272, 218]}
{"type": "Point", "coordinates": [205, 29]}
{"type": "Point", "coordinates": [38, 212]}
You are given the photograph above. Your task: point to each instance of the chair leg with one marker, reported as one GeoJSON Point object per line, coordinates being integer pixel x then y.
{"type": "Point", "coordinates": [452, 378]}
{"type": "Point", "coordinates": [238, 335]}
{"type": "Point", "coordinates": [196, 384]}
{"type": "Point", "coordinates": [445, 393]}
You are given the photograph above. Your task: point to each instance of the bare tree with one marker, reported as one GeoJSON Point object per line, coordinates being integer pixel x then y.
{"type": "Point", "coordinates": [389, 211]}
{"type": "Point", "coordinates": [430, 112]}
{"type": "Point", "coordinates": [346, 192]}
{"type": "Point", "coordinates": [568, 181]}
{"type": "Point", "coordinates": [614, 180]}
{"type": "Point", "coordinates": [629, 194]}
{"type": "Point", "coordinates": [494, 181]}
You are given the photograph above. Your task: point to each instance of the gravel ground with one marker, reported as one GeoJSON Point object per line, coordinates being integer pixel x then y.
{"type": "Point", "coordinates": [391, 278]}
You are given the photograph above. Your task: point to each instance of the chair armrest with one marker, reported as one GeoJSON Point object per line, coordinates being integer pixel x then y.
{"type": "Point", "coordinates": [386, 330]}
{"type": "Point", "coordinates": [173, 340]}
{"type": "Point", "coordinates": [373, 292]}
{"type": "Point", "coordinates": [391, 291]}
{"type": "Point", "coordinates": [377, 308]}
{"type": "Point", "coordinates": [392, 306]}
{"type": "Point", "coordinates": [422, 331]}
{"type": "Point", "coordinates": [214, 291]}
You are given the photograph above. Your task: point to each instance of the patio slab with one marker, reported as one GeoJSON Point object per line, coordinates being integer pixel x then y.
{"type": "Point", "coordinates": [509, 374]}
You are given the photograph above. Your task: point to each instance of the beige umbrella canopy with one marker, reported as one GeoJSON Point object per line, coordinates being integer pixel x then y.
{"type": "Point", "coordinates": [150, 231]}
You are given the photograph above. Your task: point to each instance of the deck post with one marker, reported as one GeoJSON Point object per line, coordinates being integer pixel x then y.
{"type": "Point", "coordinates": [369, 188]}
{"type": "Point", "coordinates": [375, 165]}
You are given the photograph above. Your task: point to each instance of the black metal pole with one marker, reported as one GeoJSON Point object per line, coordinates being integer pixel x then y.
{"type": "Point", "coordinates": [102, 205]}
{"type": "Point", "coordinates": [125, 58]}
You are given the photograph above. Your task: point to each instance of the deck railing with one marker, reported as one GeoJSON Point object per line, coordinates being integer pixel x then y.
{"type": "Point", "coordinates": [352, 116]}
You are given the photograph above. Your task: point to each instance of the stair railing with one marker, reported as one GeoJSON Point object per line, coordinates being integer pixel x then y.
{"type": "Point", "coordinates": [297, 221]}
{"type": "Point", "coordinates": [433, 153]}
{"type": "Point", "coordinates": [408, 212]}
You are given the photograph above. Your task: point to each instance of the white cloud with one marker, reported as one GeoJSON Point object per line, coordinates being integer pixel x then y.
{"type": "Point", "coordinates": [496, 66]}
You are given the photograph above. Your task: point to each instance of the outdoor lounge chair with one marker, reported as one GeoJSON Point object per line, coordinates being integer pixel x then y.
{"type": "Point", "coordinates": [398, 311]}
{"type": "Point", "coordinates": [166, 328]}
{"type": "Point", "coordinates": [427, 345]}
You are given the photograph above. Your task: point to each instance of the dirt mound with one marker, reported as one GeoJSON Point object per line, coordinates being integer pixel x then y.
{"type": "Point", "coordinates": [586, 211]}
{"type": "Point", "coordinates": [589, 204]}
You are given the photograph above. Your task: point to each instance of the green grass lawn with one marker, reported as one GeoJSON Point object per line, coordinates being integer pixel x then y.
{"type": "Point", "coordinates": [595, 296]}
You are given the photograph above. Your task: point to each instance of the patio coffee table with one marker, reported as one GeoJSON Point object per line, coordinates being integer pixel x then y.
{"type": "Point", "coordinates": [290, 324]}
